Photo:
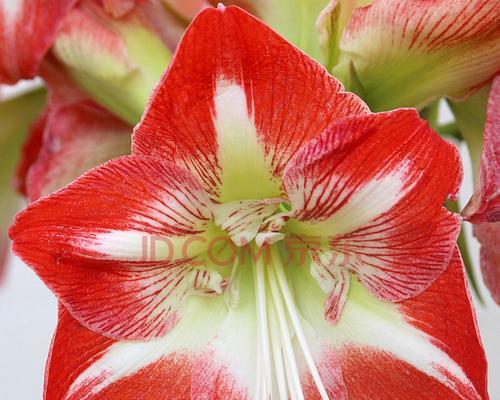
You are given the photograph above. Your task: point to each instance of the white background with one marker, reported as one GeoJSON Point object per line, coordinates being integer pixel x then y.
{"type": "Point", "coordinates": [28, 314]}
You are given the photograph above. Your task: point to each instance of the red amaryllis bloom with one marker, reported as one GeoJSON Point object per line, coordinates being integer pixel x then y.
{"type": "Point", "coordinates": [269, 237]}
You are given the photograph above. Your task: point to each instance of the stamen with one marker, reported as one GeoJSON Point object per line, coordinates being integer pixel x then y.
{"type": "Point", "coordinates": [232, 289]}
{"type": "Point", "coordinates": [268, 238]}
{"type": "Point", "coordinates": [205, 283]}
{"type": "Point", "coordinates": [278, 324]}
{"type": "Point", "coordinates": [264, 366]}
{"type": "Point", "coordinates": [291, 363]}
{"type": "Point", "coordinates": [295, 319]}
{"type": "Point", "coordinates": [278, 357]}
{"type": "Point", "coordinates": [333, 278]}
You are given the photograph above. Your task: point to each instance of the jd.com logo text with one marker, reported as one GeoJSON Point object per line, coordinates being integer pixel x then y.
{"type": "Point", "coordinates": [222, 251]}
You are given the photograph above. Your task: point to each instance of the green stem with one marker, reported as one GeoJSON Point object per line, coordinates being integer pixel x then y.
{"type": "Point", "coordinates": [450, 130]}
{"type": "Point", "coordinates": [431, 114]}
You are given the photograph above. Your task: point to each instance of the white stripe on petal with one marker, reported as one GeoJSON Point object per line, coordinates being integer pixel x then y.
{"type": "Point", "coordinates": [369, 323]}
{"type": "Point", "coordinates": [241, 156]}
{"type": "Point", "coordinates": [373, 199]}
{"type": "Point", "coordinates": [207, 325]}
{"type": "Point", "coordinates": [11, 8]}
{"type": "Point", "coordinates": [134, 246]}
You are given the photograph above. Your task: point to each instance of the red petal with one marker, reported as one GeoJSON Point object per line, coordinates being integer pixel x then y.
{"type": "Point", "coordinates": [78, 137]}
{"type": "Point", "coordinates": [443, 312]}
{"type": "Point", "coordinates": [72, 136]}
{"type": "Point", "coordinates": [484, 206]}
{"type": "Point", "coordinates": [442, 317]}
{"type": "Point", "coordinates": [289, 97]}
{"type": "Point", "coordinates": [177, 376]}
{"type": "Point", "coordinates": [86, 242]}
{"type": "Point", "coordinates": [27, 29]}
{"type": "Point", "coordinates": [375, 185]}
{"type": "Point", "coordinates": [73, 349]}
{"type": "Point", "coordinates": [488, 235]}
{"type": "Point", "coordinates": [31, 150]}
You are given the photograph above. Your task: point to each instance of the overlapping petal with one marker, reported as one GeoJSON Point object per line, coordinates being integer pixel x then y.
{"type": "Point", "coordinates": [407, 53]}
{"type": "Point", "coordinates": [488, 234]}
{"type": "Point", "coordinates": [242, 109]}
{"type": "Point", "coordinates": [484, 205]}
{"type": "Point", "coordinates": [110, 245]}
{"type": "Point", "coordinates": [184, 366]}
{"type": "Point", "coordinates": [375, 186]}
{"type": "Point", "coordinates": [27, 30]}
{"type": "Point", "coordinates": [71, 136]}
{"type": "Point", "coordinates": [77, 137]}
{"type": "Point", "coordinates": [415, 349]}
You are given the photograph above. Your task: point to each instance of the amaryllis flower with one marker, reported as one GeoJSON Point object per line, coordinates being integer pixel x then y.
{"type": "Point", "coordinates": [409, 52]}
{"type": "Point", "coordinates": [268, 237]}
{"type": "Point", "coordinates": [479, 122]}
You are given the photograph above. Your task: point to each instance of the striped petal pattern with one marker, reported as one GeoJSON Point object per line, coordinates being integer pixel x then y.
{"type": "Point", "coordinates": [407, 53]}
{"type": "Point", "coordinates": [415, 349]}
{"type": "Point", "coordinates": [374, 187]}
{"type": "Point", "coordinates": [113, 261]}
{"type": "Point", "coordinates": [252, 113]}
{"type": "Point", "coordinates": [485, 204]}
